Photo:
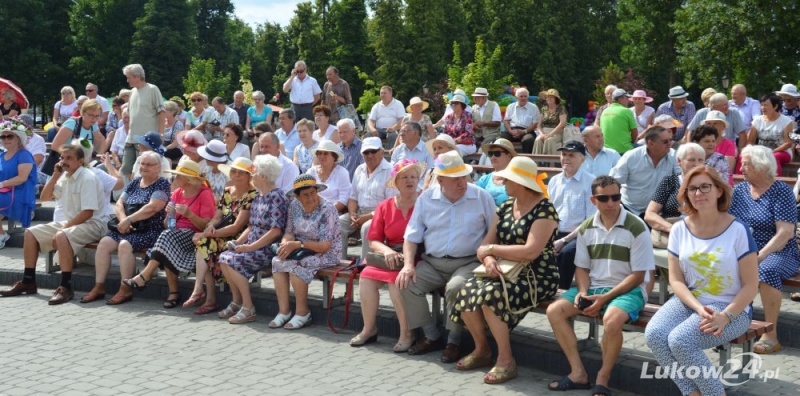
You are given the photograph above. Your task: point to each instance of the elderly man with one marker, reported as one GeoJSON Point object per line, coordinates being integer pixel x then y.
{"type": "Point", "coordinates": [613, 257]}
{"type": "Point", "coordinates": [607, 93]}
{"type": "Point", "coordinates": [350, 145]}
{"type": "Point", "coordinates": [369, 189]}
{"type": "Point", "coordinates": [240, 107]}
{"type": "Point", "coordinates": [451, 219]}
{"type": "Point", "coordinates": [735, 129]}
{"type": "Point", "coordinates": [335, 92]}
{"type": "Point", "coordinates": [599, 159]}
{"type": "Point", "coordinates": [619, 124]}
{"type": "Point", "coordinates": [92, 93]}
{"type": "Point", "coordinates": [749, 108]}
{"type": "Point", "coordinates": [145, 111]}
{"type": "Point", "coordinates": [569, 192]}
{"type": "Point", "coordinates": [640, 170]}
{"type": "Point", "coordinates": [287, 133]}
{"type": "Point", "coordinates": [522, 118]}
{"type": "Point", "coordinates": [385, 117]}
{"type": "Point", "coordinates": [268, 143]}
{"type": "Point", "coordinates": [486, 117]}
{"type": "Point", "coordinates": [215, 119]}
{"type": "Point", "coordinates": [679, 108]}
{"type": "Point", "coordinates": [81, 196]}
{"type": "Point", "coordinates": [413, 148]}
{"type": "Point", "coordinates": [303, 91]}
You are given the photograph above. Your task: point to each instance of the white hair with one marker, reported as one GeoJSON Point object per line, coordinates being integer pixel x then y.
{"type": "Point", "coordinates": [258, 95]}
{"type": "Point", "coordinates": [718, 99]}
{"type": "Point", "coordinates": [610, 87]}
{"type": "Point", "coordinates": [348, 122]}
{"type": "Point", "coordinates": [762, 159]}
{"type": "Point", "coordinates": [134, 69]}
{"type": "Point", "coordinates": [521, 90]}
{"type": "Point", "coordinates": [303, 63]}
{"type": "Point", "coordinates": [154, 156]}
{"type": "Point", "coordinates": [685, 148]}
{"type": "Point", "coordinates": [268, 166]}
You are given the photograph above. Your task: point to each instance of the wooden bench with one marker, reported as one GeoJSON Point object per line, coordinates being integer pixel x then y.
{"type": "Point", "coordinates": [792, 284]}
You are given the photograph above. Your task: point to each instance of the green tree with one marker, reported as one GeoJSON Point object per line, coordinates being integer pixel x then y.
{"type": "Point", "coordinates": [394, 56]}
{"type": "Point", "coordinates": [265, 57]}
{"type": "Point", "coordinates": [432, 27]}
{"type": "Point", "coordinates": [212, 18]}
{"type": "Point", "coordinates": [305, 34]}
{"type": "Point", "coordinates": [352, 43]}
{"type": "Point", "coordinates": [482, 72]}
{"type": "Point", "coordinates": [241, 39]}
{"type": "Point", "coordinates": [203, 77]}
{"type": "Point", "coordinates": [164, 43]}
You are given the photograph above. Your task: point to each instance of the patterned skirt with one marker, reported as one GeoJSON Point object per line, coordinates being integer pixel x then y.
{"type": "Point", "coordinates": [177, 247]}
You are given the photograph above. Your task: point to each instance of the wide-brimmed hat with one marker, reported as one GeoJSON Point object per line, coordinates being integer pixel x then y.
{"type": "Point", "coordinates": [450, 164]}
{"type": "Point", "coordinates": [444, 138]}
{"type": "Point", "coordinates": [677, 92]}
{"type": "Point", "coordinates": [404, 166]}
{"type": "Point", "coordinates": [188, 168]}
{"type": "Point", "coordinates": [574, 146]}
{"type": "Point", "coordinates": [480, 92]}
{"type": "Point", "coordinates": [241, 163]}
{"type": "Point", "coordinates": [502, 143]}
{"type": "Point", "coordinates": [371, 143]}
{"type": "Point", "coordinates": [331, 147]}
{"type": "Point", "coordinates": [788, 90]}
{"type": "Point", "coordinates": [151, 140]}
{"type": "Point", "coordinates": [459, 98]}
{"type": "Point", "coordinates": [525, 172]}
{"type": "Point", "coordinates": [214, 151]}
{"type": "Point", "coordinates": [715, 115]}
{"type": "Point", "coordinates": [303, 181]}
{"type": "Point", "coordinates": [618, 93]}
{"type": "Point", "coordinates": [191, 140]}
{"type": "Point", "coordinates": [640, 93]}
{"type": "Point", "coordinates": [19, 128]}
{"type": "Point", "coordinates": [417, 100]}
{"type": "Point", "coordinates": [552, 92]}
{"type": "Point", "coordinates": [666, 121]}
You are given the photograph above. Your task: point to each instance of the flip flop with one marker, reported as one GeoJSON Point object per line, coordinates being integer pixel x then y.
{"type": "Point", "coordinates": [470, 362]}
{"type": "Point", "coordinates": [565, 384]}
{"type": "Point", "coordinates": [601, 390]}
{"type": "Point", "coordinates": [766, 347]}
{"type": "Point", "coordinates": [206, 309]}
{"type": "Point", "coordinates": [501, 374]}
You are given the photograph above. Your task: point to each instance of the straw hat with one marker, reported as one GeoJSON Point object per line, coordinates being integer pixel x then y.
{"type": "Point", "coordinates": [715, 115]}
{"type": "Point", "coordinates": [502, 143]}
{"type": "Point", "coordinates": [450, 164]}
{"type": "Point", "coordinates": [552, 92]}
{"type": "Point", "coordinates": [191, 140]}
{"type": "Point", "coordinates": [331, 147]}
{"type": "Point", "coordinates": [188, 168]}
{"type": "Point", "coordinates": [416, 100]}
{"type": "Point", "coordinates": [525, 172]}
{"type": "Point", "coordinates": [214, 151]}
{"type": "Point", "coordinates": [305, 180]}
{"type": "Point", "coordinates": [241, 163]}
{"type": "Point", "coordinates": [666, 121]}
{"type": "Point", "coordinates": [404, 166]}
{"type": "Point", "coordinates": [442, 137]}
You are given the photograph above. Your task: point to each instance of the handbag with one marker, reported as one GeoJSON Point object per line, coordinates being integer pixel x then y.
{"type": "Point", "coordinates": [348, 294]}
{"type": "Point", "coordinates": [225, 221]}
{"type": "Point", "coordinates": [661, 238]}
{"type": "Point", "coordinates": [511, 271]}
{"type": "Point", "coordinates": [53, 157]}
{"type": "Point", "coordinates": [139, 226]}
{"type": "Point", "coordinates": [11, 201]}
{"type": "Point", "coordinates": [298, 254]}
{"type": "Point", "coordinates": [378, 260]}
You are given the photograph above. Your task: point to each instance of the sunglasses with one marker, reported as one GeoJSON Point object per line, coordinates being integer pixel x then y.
{"type": "Point", "coordinates": [370, 152]}
{"type": "Point", "coordinates": [7, 137]}
{"type": "Point", "coordinates": [495, 153]}
{"type": "Point", "coordinates": [90, 90]}
{"type": "Point", "coordinates": [605, 198]}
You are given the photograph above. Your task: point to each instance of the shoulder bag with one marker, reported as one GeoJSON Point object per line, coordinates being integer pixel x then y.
{"type": "Point", "coordinates": [139, 226]}
{"type": "Point", "coordinates": [378, 260]}
{"type": "Point", "coordinates": [511, 271]}
{"type": "Point", "coordinates": [348, 294]}
{"type": "Point", "coordinates": [661, 238]}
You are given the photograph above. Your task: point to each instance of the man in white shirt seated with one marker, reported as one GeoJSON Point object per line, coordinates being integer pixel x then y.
{"type": "Point", "coordinates": [599, 159]}
{"type": "Point", "coordinates": [268, 143]}
{"type": "Point", "coordinates": [385, 117]}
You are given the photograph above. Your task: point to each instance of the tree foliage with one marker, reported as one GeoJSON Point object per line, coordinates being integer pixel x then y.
{"type": "Point", "coordinates": [482, 72]}
{"type": "Point", "coordinates": [203, 77]}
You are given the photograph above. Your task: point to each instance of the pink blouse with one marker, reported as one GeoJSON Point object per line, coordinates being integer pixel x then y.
{"type": "Point", "coordinates": [203, 206]}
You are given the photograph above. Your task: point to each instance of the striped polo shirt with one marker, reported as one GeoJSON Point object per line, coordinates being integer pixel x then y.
{"type": "Point", "coordinates": [612, 255]}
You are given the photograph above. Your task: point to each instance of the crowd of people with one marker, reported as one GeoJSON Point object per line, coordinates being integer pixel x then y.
{"type": "Point", "coordinates": [217, 191]}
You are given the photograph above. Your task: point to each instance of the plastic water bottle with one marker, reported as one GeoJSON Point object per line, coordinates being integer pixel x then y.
{"type": "Point", "coordinates": [171, 217]}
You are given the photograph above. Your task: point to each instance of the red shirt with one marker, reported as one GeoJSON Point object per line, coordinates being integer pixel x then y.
{"type": "Point", "coordinates": [388, 224]}
{"type": "Point", "coordinates": [202, 204]}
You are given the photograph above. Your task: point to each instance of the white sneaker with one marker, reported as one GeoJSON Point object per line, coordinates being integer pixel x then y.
{"type": "Point", "coordinates": [3, 239]}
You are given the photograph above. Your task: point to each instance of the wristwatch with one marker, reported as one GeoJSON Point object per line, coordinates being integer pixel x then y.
{"type": "Point", "coordinates": [302, 245]}
{"type": "Point", "coordinates": [730, 315]}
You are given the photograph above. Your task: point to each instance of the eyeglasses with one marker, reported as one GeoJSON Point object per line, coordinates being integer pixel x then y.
{"type": "Point", "coordinates": [703, 188]}
{"type": "Point", "coordinates": [301, 71]}
{"type": "Point", "coordinates": [196, 100]}
{"type": "Point", "coordinates": [90, 90]}
{"type": "Point", "coordinates": [147, 164]}
{"type": "Point", "coordinates": [370, 152]}
{"type": "Point", "coordinates": [7, 137]}
{"type": "Point", "coordinates": [93, 115]}
{"type": "Point", "coordinates": [605, 198]}
{"type": "Point", "coordinates": [495, 153]}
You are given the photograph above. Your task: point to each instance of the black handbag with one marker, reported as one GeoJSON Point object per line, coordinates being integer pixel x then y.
{"type": "Point", "coordinates": [226, 221]}
{"type": "Point", "coordinates": [139, 226]}
{"type": "Point", "coordinates": [298, 254]}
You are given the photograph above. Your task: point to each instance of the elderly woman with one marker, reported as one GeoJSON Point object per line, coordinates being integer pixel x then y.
{"type": "Point", "coordinates": [441, 144]}
{"type": "Point", "coordinates": [458, 125]}
{"type": "Point", "coordinates": [772, 130]}
{"type": "Point", "coordinates": [334, 176]}
{"type": "Point", "coordinates": [213, 155]}
{"type": "Point", "coordinates": [386, 239]}
{"type": "Point", "coordinates": [302, 156]}
{"type": "Point", "coordinates": [551, 125]}
{"type": "Point", "coordinates": [724, 146]}
{"type": "Point", "coordinates": [173, 126]}
{"type": "Point", "coordinates": [415, 108]}
{"type": "Point", "coordinates": [9, 108]}
{"type": "Point", "coordinates": [523, 229]}
{"type": "Point", "coordinates": [642, 113]}
{"type": "Point", "coordinates": [664, 208]}
{"type": "Point", "coordinates": [84, 127]}
{"type": "Point", "coordinates": [768, 208]}
{"type": "Point", "coordinates": [500, 153]}
{"type": "Point", "coordinates": [312, 225]}
{"type": "Point", "coordinates": [252, 253]}
{"type": "Point", "coordinates": [18, 176]}
{"type": "Point", "coordinates": [192, 204]}
{"type": "Point", "coordinates": [228, 223]}
{"type": "Point", "coordinates": [707, 137]}
{"type": "Point", "coordinates": [197, 113]}
{"type": "Point", "coordinates": [151, 141]}
{"type": "Point", "coordinates": [232, 136]}
{"type": "Point", "coordinates": [713, 271]}
{"type": "Point", "coordinates": [62, 110]}
{"type": "Point", "coordinates": [257, 113]}
{"type": "Point", "coordinates": [325, 131]}
{"type": "Point", "coordinates": [140, 214]}
{"type": "Point", "coordinates": [190, 142]}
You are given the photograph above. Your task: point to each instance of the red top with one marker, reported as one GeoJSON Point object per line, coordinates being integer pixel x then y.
{"type": "Point", "coordinates": [727, 148]}
{"type": "Point", "coordinates": [388, 224]}
{"type": "Point", "coordinates": [203, 206]}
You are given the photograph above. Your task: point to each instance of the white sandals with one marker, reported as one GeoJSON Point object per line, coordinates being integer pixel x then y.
{"type": "Point", "coordinates": [280, 320]}
{"type": "Point", "coordinates": [298, 322]}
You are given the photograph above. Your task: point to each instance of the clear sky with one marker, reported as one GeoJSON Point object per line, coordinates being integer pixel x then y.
{"type": "Point", "coordinates": [255, 12]}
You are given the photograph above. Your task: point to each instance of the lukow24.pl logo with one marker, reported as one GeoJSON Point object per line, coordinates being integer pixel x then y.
{"type": "Point", "coordinates": [733, 373]}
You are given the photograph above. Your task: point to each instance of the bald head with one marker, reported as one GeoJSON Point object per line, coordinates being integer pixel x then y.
{"type": "Point", "coordinates": [593, 138]}
{"type": "Point", "coordinates": [739, 93]}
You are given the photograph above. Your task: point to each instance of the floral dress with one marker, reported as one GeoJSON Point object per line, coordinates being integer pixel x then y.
{"type": "Point", "coordinates": [460, 128]}
{"type": "Point", "coordinates": [266, 212]}
{"type": "Point", "coordinates": [479, 292]}
{"type": "Point", "coordinates": [210, 248]}
{"type": "Point", "coordinates": [322, 224]}
{"type": "Point", "coordinates": [135, 194]}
